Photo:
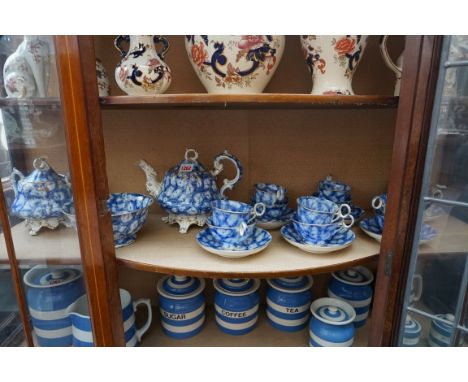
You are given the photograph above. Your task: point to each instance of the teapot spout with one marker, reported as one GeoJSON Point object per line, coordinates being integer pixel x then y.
{"type": "Point", "coordinates": [152, 185]}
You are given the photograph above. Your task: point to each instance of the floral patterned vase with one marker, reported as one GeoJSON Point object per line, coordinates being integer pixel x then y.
{"type": "Point", "coordinates": [142, 70]}
{"type": "Point", "coordinates": [332, 61]}
{"type": "Point", "coordinates": [102, 79]}
{"type": "Point", "coordinates": [235, 64]}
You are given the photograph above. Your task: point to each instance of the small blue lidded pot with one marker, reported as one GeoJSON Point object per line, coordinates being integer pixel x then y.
{"type": "Point", "coordinates": [236, 305]}
{"type": "Point", "coordinates": [353, 286]}
{"type": "Point", "coordinates": [288, 302]}
{"type": "Point", "coordinates": [412, 332]}
{"type": "Point", "coordinates": [182, 305]}
{"type": "Point", "coordinates": [331, 323]}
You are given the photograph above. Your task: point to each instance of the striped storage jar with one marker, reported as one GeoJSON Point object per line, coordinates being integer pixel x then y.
{"type": "Point", "coordinates": [412, 332]}
{"type": "Point", "coordinates": [440, 331]}
{"type": "Point", "coordinates": [81, 320]}
{"type": "Point", "coordinates": [50, 291]}
{"type": "Point", "coordinates": [331, 323]}
{"type": "Point", "coordinates": [236, 305]}
{"type": "Point", "coordinates": [182, 305]}
{"type": "Point", "coordinates": [288, 302]}
{"type": "Point", "coordinates": [353, 286]}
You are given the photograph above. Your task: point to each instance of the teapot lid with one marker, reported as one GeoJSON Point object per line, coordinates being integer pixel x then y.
{"type": "Point", "coordinates": [291, 284]}
{"type": "Point", "coordinates": [190, 163]}
{"type": "Point", "coordinates": [42, 276]}
{"type": "Point", "coordinates": [236, 287]}
{"type": "Point", "coordinates": [354, 276]}
{"type": "Point", "coordinates": [180, 287]}
{"type": "Point", "coordinates": [42, 172]}
{"type": "Point", "coordinates": [333, 311]}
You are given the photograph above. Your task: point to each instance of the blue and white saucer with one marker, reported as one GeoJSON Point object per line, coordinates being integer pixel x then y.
{"type": "Point", "coordinates": [276, 223]}
{"type": "Point", "coordinates": [259, 240]}
{"type": "Point", "coordinates": [337, 242]}
{"type": "Point", "coordinates": [370, 227]}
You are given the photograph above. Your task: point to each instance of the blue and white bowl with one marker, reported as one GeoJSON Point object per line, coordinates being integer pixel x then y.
{"type": "Point", "coordinates": [412, 332]}
{"type": "Point", "coordinates": [182, 306]}
{"type": "Point", "coordinates": [288, 302]}
{"type": "Point", "coordinates": [231, 213]}
{"type": "Point", "coordinates": [353, 286]}
{"type": "Point", "coordinates": [50, 291]}
{"type": "Point", "coordinates": [314, 210]}
{"type": "Point", "coordinates": [441, 332]}
{"type": "Point", "coordinates": [331, 323]}
{"type": "Point", "coordinates": [129, 212]}
{"type": "Point", "coordinates": [236, 305]}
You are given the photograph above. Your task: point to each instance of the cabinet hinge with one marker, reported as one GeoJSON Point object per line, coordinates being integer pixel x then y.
{"type": "Point", "coordinates": [388, 263]}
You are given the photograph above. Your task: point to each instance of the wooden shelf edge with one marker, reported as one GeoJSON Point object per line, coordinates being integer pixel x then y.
{"type": "Point", "coordinates": [250, 101]}
{"type": "Point", "coordinates": [34, 101]}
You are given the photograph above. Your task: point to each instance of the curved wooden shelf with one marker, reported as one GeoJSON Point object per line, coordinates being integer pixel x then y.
{"type": "Point", "coordinates": [161, 248]}
{"type": "Point", "coordinates": [249, 101]}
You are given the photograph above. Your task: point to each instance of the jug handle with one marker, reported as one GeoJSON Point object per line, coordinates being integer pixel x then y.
{"type": "Point", "coordinates": [218, 167]}
{"type": "Point", "coordinates": [145, 301]}
{"type": "Point", "coordinates": [418, 282]}
{"type": "Point", "coordinates": [14, 181]}
{"type": "Point", "coordinates": [165, 45]}
{"type": "Point", "coordinates": [118, 44]}
{"type": "Point", "coordinates": [388, 60]}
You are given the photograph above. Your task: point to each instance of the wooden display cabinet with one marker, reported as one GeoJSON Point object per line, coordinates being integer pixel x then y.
{"type": "Point", "coordinates": [373, 141]}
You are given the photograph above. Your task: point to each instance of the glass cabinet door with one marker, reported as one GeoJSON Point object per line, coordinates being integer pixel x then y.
{"type": "Point", "coordinates": [34, 171]}
{"type": "Point", "coordinates": [436, 301]}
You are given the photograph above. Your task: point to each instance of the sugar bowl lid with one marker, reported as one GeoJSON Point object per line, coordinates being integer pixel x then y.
{"type": "Point", "coordinates": [180, 287]}
{"type": "Point", "coordinates": [354, 276]}
{"type": "Point", "coordinates": [42, 276]}
{"type": "Point", "coordinates": [333, 311]}
{"type": "Point", "coordinates": [291, 284]}
{"type": "Point", "coordinates": [412, 326]}
{"type": "Point", "coordinates": [236, 287]}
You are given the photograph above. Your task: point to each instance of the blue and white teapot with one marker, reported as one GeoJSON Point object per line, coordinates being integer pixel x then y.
{"type": "Point", "coordinates": [40, 196]}
{"type": "Point", "coordinates": [188, 189]}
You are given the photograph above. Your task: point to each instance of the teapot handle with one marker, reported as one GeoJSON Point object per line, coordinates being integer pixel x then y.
{"type": "Point", "coordinates": [218, 167]}
{"type": "Point", "coordinates": [165, 45]}
{"type": "Point", "coordinates": [388, 60]}
{"type": "Point", "coordinates": [145, 327]}
{"type": "Point", "coordinates": [118, 44]}
{"type": "Point", "coordinates": [14, 181]}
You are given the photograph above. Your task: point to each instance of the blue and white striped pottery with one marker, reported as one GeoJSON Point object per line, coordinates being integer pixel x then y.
{"type": "Point", "coordinates": [412, 332]}
{"type": "Point", "coordinates": [81, 320]}
{"type": "Point", "coordinates": [315, 210]}
{"type": "Point", "coordinates": [50, 291]}
{"type": "Point", "coordinates": [236, 305]}
{"type": "Point", "coordinates": [331, 323]}
{"type": "Point", "coordinates": [353, 286]}
{"type": "Point", "coordinates": [288, 302]}
{"type": "Point", "coordinates": [182, 305]}
{"type": "Point", "coordinates": [441, 332]}
{"type": "Point", "coordinates": [270, 194]}
{"type": "Point", "coordinates": [231, 213]}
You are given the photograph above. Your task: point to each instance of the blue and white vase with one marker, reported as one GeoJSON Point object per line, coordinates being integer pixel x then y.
{"type": "Point", "coordinates": [236, 305]}
{"type": "Point", "coordinates": [331, 323]}
{"type": "Point", "coordinates": [182, 305]}
{"type": "Point", "coordinates": [288, 302]}
{"type": "Point", "coordinates": [50, 291]}
{"type": "Point", "coordinates": [412, 332]}
{"type": "Point", "coordinates": [441, 332]}
{"type": "Point", "coordinates": [81, 320]}
{"type": "Point", "coordinates": [353, 286]}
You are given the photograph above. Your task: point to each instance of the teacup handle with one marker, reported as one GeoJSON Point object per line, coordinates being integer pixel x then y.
{"type": "Point", "coordinates": [258, 209]}
{"type": "Point", "coordinates": [343, 212]}
{"type": "Point", "coordinates": [348, 223]}
{"type": "Point", "coordinates": [377, 202]}
{"type": "Point", "coordinates": [280, 195]}
{"type": "Point", "coordinates": [145, 301]}
{"type": "Point", "coordinates": [418, 287]}
{"type": "Point", "coordinates": [242, 228]}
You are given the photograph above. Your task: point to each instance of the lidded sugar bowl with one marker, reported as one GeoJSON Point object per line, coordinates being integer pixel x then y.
{"type": "Point", "coordinates": [40, 196]}
{"type": "Point", "coordinates": [188, 189]}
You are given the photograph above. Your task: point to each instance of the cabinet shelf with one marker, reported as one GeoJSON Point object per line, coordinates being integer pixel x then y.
{"type": "Point", "coordinates": [46, 102]}
{"type": "Point", "coordinates": [249, 101]}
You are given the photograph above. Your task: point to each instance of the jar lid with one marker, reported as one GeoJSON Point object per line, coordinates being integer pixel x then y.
{"type": "Point", "coordinates": [180, 287]}
{"type": "Point", "coordinates": [42, 276]}
{"type": "Point", "coordinates": [236, 287]}
{"type": "Point", "coordinates": [354, 276]}
{"type": "Point", "coordinates": [333, 311]}
{"type": "Point", "coordinates": [291, 284]}
{"type": "Point", "coordinates": [443, 325]}
{"type": "Point", "coordinates": [412, 326]}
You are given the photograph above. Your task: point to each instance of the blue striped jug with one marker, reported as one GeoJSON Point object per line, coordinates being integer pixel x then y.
{"type": "Point", "coordinates": [182, 305]}
{"type": "Point", "coordinates": [412, 332]}
{"type": "Point", "coordinates": [81, 320]}
{"type": "Point", "coordinates": [236, 305]}
{"type": "Point", "coordinates": [50, 291]}
{"type": "Point", "coordinates": [331, 323]}
{"type": "Point", "coordinates": [288, 302]}
{"type": "Point", "coordinates": [441, 332]}
{"type": "Point", "coordinates": [353, 286]}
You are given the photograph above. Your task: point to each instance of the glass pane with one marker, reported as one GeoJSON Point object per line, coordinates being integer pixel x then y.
{"type": "Point", "coordinates": [437, 283]}
{"type": "Point", "coordinates": [35, 176]}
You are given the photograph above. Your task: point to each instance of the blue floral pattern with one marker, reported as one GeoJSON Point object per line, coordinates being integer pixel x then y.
{"type": "Point", "coordinates": [339, 239]}
{"type": "Point", "coordinates": [260, 238]}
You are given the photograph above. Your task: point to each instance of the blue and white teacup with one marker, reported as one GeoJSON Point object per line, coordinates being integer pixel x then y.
{"type": "Point", "coordinates": [270, 194]}
{"type": "Point", "coordinates": [231, 235]}
{"type": "Point", "coordinates": [337, 192]}
{"type": "Point", "coordinates": [378, 203]}
{"type": "Point", "coordinates": [316, 210]}
{"type": "Point", "coordinates": [275, 212]}
{"type": "Point", "coordinates": [320, 233]}
{"type": "Point", "coordinates": [231, 213]}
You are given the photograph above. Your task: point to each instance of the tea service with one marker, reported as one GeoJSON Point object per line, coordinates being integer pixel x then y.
{"type": "Point", "coordinates": [274, 197]}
